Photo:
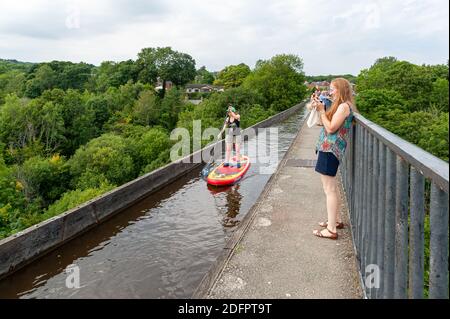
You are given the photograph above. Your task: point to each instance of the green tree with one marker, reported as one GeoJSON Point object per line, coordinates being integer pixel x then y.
{"type": "Point", "coordinates": [74, 198]}
{"type": "Point", "coordinates": [71, 75]}
{"type": "Point", "coordinates": [146, 110]}
{"type": "Point", "coordinates": [167, 65]}
{"type": "Point", "coordinates": [439, 95]}
{"type": "Point", "coordinates": [149, 147]}
{"type": "Point", "coordinates": [232, 75]}
{"type": "Point", "coordinates": [43, 79]}
{"type": "Point", "coordinates": [280, 80]}
{"type": "Point", "coordinates": [370, 101]}
{"type": "Point", "coordinates": [170, 107]}
{"type": "Point", "coordinates": [330, 77]}
{"type": "Point", "coordinates": [414, 83]}
{"type": "Point", "coordinates": [204, 76]}
{"type": "Point", "coordinates": [57, 74]}
{"type": "Point", "coordinates": [13, 126]}
{"type": "Point", "coordinates": [79, 119]}
{"type": "Point", "coordinates": [107, 155]}
{"type": "Point", "coordinates": [14, 65]}
{"type": "Point", "coordinates": [115, 74]}
{"type": "Point", "coordinates": [254, 115]}
{"type": "Point", "coordinates": [51, 127]}
{"type": "Point", "coordinates": [12, 82]}
{"type": "Point", "coordinates": [12, 200]}
{"type": "Point", "coordinates": [44, 179]}
{"type": "Point", "coordinates": [408, 100]}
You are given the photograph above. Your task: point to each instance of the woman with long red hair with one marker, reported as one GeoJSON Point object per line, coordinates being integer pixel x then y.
{"type": "Point", "coordinates": [337, 122]}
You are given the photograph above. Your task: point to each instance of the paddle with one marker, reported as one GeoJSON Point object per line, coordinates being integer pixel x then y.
{"type": "Point", "coordinates": [208, 167]}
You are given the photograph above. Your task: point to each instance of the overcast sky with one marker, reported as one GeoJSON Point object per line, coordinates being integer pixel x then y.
{"type": "Point", "coordinates": [331, 36]}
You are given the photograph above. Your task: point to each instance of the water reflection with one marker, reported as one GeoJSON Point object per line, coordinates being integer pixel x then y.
{"type": "Point", "coordinates": [232, 205]}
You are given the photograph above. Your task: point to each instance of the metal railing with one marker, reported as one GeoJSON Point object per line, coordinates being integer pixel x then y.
{"type": "Point", "coordinates": [393, 188]}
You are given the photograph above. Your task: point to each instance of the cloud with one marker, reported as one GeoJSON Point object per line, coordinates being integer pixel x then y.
{"type": "Point", "coordinates": [48, 19]}
{"type": "Point", "coordinates": [331, 36]}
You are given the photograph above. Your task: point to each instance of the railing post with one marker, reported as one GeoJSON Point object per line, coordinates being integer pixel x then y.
{"type": "Point", "coordinates": [364, 205]}
{"type": "Point", "coordinates": [389, 247]}
{"type": "Point", "coordinates": [361, 197]}
{"type": "Point", "coordinates": [374, 210]}
{"type": "Point", "coordinates": [401, 238]}
{"type": "Point", "coordinates": [438, 243]}
{"type": "Point", "coordinates": [353, 171]}
{"type": "Point", "coordinates": [416, 236]}
{"type": "Point", "coordinates": [358, 192]}
{"type": "Point", "coordinates": [369, 202]}
{"type": "Point", "coordinates": [381, 214]}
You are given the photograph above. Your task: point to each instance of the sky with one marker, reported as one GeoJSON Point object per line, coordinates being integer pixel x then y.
{"type": "Point", "coordinates": [331, 36]}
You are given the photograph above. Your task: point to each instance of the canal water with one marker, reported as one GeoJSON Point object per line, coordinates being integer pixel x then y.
{"type": "Point", "coordinates": [161, 247]}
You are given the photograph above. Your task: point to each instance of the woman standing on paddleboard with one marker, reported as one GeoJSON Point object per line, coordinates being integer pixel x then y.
{"type": "Point", "coordinates": [337, 122]}
{"type": "Point", "coordinates": [233, 135]}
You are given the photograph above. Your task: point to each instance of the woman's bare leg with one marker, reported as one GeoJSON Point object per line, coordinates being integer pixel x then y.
{"type": "Point", "coordinates": [238, 151]}
{"type": "Point", "coordinates": [228, 147]}
{"type": "Point", "coordinates": [331, 190]}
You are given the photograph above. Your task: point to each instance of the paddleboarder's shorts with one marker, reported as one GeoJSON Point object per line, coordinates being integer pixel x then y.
{"type": "Point", "coordinates": [230, 138]}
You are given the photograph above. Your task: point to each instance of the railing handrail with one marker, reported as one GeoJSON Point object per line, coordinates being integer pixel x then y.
{"type": "Point", "coordinates": [384, 180]}
{"type": "Point", "coordinates": [429, 165]}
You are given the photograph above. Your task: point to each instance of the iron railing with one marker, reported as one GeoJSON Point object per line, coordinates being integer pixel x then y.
{"type": "Point", "coordinates": [393, 188]}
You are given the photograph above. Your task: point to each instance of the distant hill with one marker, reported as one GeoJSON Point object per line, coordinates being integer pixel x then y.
{"type": "Point", "coordinates": [12, 64]}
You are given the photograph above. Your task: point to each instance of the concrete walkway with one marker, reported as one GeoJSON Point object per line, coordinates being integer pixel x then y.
{"type": "Point", "coordinates": [278, 257]}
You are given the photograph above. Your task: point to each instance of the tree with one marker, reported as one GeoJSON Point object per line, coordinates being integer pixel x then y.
{"type": "Point", "coordinates": [115, 74]}
{"type": "Point", "coordinates": [232, 75]}
{"type": "Point", "coordinates": [44, 179]}
{"type": "Point", "coordinates": [280, 80]}
{"type": "Point", "coordinates": [57, 74]}
{"type": "Point", "coordinates": [330, 77]}
{"type": "Point", "coordinates": [146, 110]}
{"type": "Point", "coordinates": [414, 83]}
{"type": "Point", "coordinates": [72, 75]}
{"type": "Point", "coordinates": [106, 156]}
{"type": "Point", "coordinates": [370, 101]}
{"type": "Point", "coordinates": [51, 127]}
{"type": "Point", "coordinates": [79, 119]}
{"type": "Point", "coordinates": [14, 65]}
{"type": "Point", "coordinates": [102, 111]}
{"type": "Point", "coordinates": [438, 71]}
{"type": "Point", "coordinates": [170, 107]}
{"type": "Point", "coordinates": [148, 147]}
{"type": "Point", "coordinates": [12, 82]}
{"type": "Point", "coordinates": [74, 198]}
{"type": "Point", "coordinates": [204, 76]}
{"type": "Point", "coordinates": [12, 201]}
{"type": "Point", "coordinates": [43, 79]}
{"type": "Point", "coordinates": [167, 65]}
{"type": "Point", "coordinates": [13, 126]}
{"type": "Point", "coordinates": [408, 100]}
{"type": "Point", "coordinates": [439, 95]}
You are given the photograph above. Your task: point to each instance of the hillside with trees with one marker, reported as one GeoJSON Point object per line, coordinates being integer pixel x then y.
{"type": "Point", "coordinates": [409, 100]}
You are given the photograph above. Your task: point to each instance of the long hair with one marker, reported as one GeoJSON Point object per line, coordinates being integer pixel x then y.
{"type": "Point", "coordinates": [344, 94]}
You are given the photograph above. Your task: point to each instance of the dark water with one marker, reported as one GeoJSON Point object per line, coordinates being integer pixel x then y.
{"type": "Point", "coordinates": [159, 248]}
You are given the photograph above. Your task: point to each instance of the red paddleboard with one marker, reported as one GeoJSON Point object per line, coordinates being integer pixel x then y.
{"type": "Point", "coordinates": [222, 176]}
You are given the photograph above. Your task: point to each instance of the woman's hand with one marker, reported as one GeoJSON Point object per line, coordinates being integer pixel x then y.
{"type": "Point", "coordinates": [320, 107]}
